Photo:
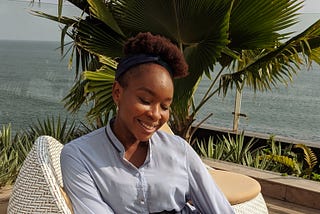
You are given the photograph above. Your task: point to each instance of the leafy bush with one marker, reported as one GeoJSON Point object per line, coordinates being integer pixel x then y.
{"type": "Point", "coordinates": [273, 157]}
{"type": "Point", "coordinates": [230, 149]}
{"type": "Point", "coordinates": [309, 158]}
{"type": "Point", "coordinates": [13, 152]}
{"type": "Point", "coordinates": [15, 149]}
{"type": "Point", "coordinates": [315, 176]}
{"type": "Point", "coordinates": [62, 130]}
{"type": "Point", "coordinates": [281, 159]}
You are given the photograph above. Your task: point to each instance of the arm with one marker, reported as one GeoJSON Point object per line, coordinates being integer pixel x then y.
{"type": "Point", "coordinates": [205, 194]}
{"type": "Point", "coordinates": [79, 186]}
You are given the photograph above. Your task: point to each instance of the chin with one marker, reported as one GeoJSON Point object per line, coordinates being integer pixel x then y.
{"type": "Point", "coordinates": [145, 137]}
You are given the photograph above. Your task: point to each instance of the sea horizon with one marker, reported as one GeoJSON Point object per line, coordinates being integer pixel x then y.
{"type": "Point", "coordinates": [34, 80]}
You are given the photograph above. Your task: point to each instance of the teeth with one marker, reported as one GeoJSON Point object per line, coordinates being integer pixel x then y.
{"type": "Point", "coordinates": [148, 126]}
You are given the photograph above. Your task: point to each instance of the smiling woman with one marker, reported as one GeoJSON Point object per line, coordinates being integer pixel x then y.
{"type": "Point", "coordinates": [130, 166]}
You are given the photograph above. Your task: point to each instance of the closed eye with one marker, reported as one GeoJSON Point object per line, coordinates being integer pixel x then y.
{"type": "Point", "coordinates": [164, 107]}
{"type": "Point", "coordinates": [144, 101]}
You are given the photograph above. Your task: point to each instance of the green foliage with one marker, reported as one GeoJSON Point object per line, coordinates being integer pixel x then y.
{"type": "Point", "coordinates": [61, 130]}
{"type": "Point", "coordinates": [280, 159]}
{"type": "Point", "coordinates": [273, 157]}
{"type": "Point", "coordinates": [285, 161]}
{"type": "Point", "coordinates": [13, 151]}
{"type": "Point", "coordinates": [238, 151]}
{"type": "Point", "coordinates": [309, 157]}
{"type": "Point", "coordinates": [315, 176]}
{"type": "Point", "coordinates": [210, 149]}
{"type": "Point", "coordinates": [230, 149]}
{"type": "Point", "coordinates": [259, 161]}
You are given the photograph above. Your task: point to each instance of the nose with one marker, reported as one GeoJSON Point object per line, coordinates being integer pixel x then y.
{"type": "Point", "coordinates": [155, 112]}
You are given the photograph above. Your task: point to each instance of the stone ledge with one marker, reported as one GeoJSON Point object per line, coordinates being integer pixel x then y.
{"type": "Point", "coordinates": [287, 188]}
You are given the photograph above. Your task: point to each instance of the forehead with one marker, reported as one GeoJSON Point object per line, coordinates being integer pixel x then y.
{"type": "Point", "coordinates": [149, 74]}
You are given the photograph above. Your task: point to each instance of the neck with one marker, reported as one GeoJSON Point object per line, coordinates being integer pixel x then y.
{"type": "Point", "coordinates": [126, 139]}
{"type": "Point", "coordinates": [135, 150]}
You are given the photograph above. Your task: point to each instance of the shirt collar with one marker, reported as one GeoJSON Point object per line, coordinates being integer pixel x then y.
{"type": "Point", "coordinates": [113, 139]}
{"type": "Point", "coordinates": [119, 146]}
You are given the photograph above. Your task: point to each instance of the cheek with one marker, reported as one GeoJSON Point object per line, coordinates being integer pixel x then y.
{"type": "Point", "coordinates": [165, 116]}
{"type": "Point", "coordinates": [137, 108]}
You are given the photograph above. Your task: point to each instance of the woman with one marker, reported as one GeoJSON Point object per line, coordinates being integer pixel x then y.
{"type": "Point", "coordinates": [130, 166]}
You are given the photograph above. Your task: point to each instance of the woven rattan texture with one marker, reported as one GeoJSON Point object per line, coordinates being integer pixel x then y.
{"type": "Point", "coordinates": [256, 205]}
{"type": "Point", "coordinates": [36, 189]}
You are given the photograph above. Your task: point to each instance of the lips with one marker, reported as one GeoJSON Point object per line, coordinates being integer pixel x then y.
{"type": "Point", "coordinates": [149, 126]}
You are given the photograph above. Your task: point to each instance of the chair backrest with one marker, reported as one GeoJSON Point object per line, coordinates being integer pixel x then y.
{"type": "Point", "coordinates": [165, 127]}
{"type": "Point", "coordinates": [39, 183]}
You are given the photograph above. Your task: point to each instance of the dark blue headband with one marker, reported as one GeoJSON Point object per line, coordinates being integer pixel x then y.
{"type": "Point", "coordinates": [138, 59]}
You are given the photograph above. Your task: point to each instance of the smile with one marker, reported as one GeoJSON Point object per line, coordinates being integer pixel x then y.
{"type": "Point", "coordinates": [148, 126]}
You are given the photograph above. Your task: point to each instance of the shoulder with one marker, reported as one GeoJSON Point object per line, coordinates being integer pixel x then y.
{"type": "Point", "coordinates": [174, 145]}
{"type": "Point", "coordinates": [84, 142]}
{"type": "Point", "coordinates": [166, 138]}
{"type": "Point", "coordinates": [169, 143]}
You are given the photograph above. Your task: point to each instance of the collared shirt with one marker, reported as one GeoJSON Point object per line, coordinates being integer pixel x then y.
{"type": "Point", "coordinates": [98, 178]}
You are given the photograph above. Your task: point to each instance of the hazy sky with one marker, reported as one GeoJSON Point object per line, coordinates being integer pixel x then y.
{"type": "Point", "coordinates": [16, 23]}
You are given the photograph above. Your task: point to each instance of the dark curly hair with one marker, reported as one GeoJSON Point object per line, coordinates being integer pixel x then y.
{"type": "Point", "coordinates": [146, 43]}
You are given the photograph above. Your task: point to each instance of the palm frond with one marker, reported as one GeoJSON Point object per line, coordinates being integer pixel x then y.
{"type": "Point", "coordinates": [279, 64]}
{"type": "Point", "coordinates": [201, 52]}
{"type": "Point", "coordinates": [62, 20]}
{"type": "Point", "coordinates": [83, 5]}
{"type": "Point", "coordinates": [76, 96]}
{"type": "Point", "coordinates": [309, 155]}
{"type": "Point", "coordinates": [99, 87]}
{"type": "Point", "coordinates": [100, 10]}
{"type": "Point", "coordinates": [97, 38]}
{"type": "Point", "coordinates": [259, 22]}
{"type": "Point", "coordinates": [286, 161]}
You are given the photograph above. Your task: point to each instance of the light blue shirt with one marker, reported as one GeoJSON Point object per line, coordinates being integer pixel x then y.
{"type": "Point", "coordinates": [98, 179]}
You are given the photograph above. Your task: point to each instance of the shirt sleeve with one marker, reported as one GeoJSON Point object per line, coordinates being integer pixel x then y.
{"type": "Point", "coordinates": [79, 185]}
{"type": "Point", "coordinates": [204, 192]}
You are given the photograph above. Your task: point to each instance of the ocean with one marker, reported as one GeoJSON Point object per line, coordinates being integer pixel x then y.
{"type": "Point", "coordinates": [34, 79]}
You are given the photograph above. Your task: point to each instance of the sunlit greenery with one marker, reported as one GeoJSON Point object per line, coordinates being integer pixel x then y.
{"type": "Point", "coordinates": [14, 149]}
{"type": "Point", "coordinates": [274, 156]}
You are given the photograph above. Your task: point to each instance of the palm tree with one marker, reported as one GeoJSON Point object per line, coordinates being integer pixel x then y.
{"type": "Point", "coordinates": [246, 39]}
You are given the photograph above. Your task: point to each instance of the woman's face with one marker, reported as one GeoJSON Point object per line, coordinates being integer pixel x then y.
{"type": "Point", "coordinates": [143, 103]}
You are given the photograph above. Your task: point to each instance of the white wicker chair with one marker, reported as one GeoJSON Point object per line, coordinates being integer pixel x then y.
{"type": "Point", "coordinates": [38, 188]}
{"type": "Point", "coordinates": [256, 205]}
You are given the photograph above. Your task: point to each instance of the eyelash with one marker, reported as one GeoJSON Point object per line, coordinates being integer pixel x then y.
{"type": "Point", "coordinates": [165, 108]}
{"type": "Point", "coordinates": [143, 101]}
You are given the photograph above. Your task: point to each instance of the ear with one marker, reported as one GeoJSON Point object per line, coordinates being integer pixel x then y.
{"type": "Point", "coordinates": [116, 92]}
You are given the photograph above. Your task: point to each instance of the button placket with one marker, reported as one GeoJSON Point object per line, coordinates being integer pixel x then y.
{"type": "Point", "coordinates": [142, 189]}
